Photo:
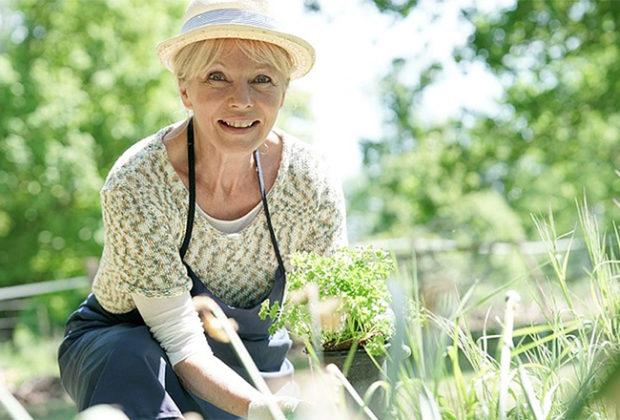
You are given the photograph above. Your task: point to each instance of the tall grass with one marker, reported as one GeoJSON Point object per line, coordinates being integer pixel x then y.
{"type": "Point", "coordinates": [566, 366]}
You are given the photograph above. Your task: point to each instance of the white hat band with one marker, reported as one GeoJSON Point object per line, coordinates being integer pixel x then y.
{"type": "Point", "coordinates": [228, 16]}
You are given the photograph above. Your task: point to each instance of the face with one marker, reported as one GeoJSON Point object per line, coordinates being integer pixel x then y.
{"type": "Point", "coordinates": [235, 102]}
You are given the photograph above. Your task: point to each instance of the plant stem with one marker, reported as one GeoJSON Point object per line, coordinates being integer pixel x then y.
{"type": "Point", "coordinates": [506, 345]}
{"type": "Point", "coordinates": [247, 361]}
{"type": "Point", "coordinates": [333, 370]}
{"type": "Point", "coordinates": [13, 407]}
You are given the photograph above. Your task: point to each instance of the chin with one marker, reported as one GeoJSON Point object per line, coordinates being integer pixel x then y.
{"type": "Point", "coordinates": [241, 146]}
{"type": "Point", "coordinates": [242, 143]}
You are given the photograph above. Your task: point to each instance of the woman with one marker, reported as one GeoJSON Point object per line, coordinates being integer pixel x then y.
{"type": "Point", "coordinates": [213, 205]}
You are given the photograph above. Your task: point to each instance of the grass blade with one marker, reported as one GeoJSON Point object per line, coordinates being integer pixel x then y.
{"type": "Point", "coordinates": [530, 395]}
{"type": "Point", "coordinates": [505, 354]}
{"type": "Point", "coordinates": [429, 409]}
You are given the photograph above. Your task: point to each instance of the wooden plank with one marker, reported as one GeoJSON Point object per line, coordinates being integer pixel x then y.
{"type": "Point", "coordinates": [8, 323]}
{"type": "Point", "coordinates": [410, 246]}
{"type": "Point", "coordinates": [41, 288]}
{"type": "Point", "coordinates": [13, 305]}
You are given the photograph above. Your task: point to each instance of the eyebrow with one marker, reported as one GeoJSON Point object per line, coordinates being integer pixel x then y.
{"type": "Point", "coordinates": [261, 66]}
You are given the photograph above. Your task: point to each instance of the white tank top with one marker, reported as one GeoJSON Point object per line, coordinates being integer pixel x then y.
{"type": "Point", "coordinates": [237, 225]}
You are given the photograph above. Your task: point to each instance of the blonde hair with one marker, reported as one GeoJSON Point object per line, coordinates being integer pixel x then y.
{"type": "Point", "coordinates": [193, 59]}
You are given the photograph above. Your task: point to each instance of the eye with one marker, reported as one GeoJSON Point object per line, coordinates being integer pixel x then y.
{"type": "Point", "coordinates": [216, 76]}
{"type": "Point", "coordinates": [261, 78]}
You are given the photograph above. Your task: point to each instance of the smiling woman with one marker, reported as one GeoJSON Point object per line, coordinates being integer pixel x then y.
{"type": "Point", "coordinates": [213, 205]}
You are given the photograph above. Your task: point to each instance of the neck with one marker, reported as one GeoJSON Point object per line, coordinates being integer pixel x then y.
{"type": "Point", "coordinates": [223, 173]}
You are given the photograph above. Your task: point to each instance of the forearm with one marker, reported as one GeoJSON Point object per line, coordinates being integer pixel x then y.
{"type": "Point", "coordinates": [174, 323]}
{"type": "Point", "coordinates": [212, 380]}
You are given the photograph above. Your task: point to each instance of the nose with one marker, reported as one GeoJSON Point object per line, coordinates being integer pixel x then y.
{"type": "Point", "coordinates": [241, 96]}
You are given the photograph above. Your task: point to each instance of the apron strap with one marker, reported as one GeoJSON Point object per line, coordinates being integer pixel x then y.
{"type": "Point", "coordinates": [192, 197]}
{"type": "Point", "coordinates": [192, 189]}
{"type": "Point", "coordinates": [263, 193]}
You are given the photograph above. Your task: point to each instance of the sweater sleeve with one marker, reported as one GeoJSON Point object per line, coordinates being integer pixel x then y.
{"type": "Point", "coordinates": [140, 250]}
{"type": "Point", "coordinates": [175, 324]}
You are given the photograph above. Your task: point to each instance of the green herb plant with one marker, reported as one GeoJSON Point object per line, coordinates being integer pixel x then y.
{"type": "Point", "coordinates": [357, 278]}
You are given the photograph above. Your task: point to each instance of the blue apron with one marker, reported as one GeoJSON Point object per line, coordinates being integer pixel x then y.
{"type": "Point", "coordinates": [108, 358]}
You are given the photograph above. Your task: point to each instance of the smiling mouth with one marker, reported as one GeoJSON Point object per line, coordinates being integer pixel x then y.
{"type": "Point", "coordinates": [240, 125]}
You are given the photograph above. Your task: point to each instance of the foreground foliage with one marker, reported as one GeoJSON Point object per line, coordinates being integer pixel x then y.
{"type": "Point", "coordinates": [563, 368]}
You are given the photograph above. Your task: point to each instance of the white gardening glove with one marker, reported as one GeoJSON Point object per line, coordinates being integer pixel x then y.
{"type": "Point", "coordinates": [259, 409]}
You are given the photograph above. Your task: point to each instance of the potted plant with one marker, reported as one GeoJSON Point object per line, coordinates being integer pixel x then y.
{"type": "Point", "coordinates": [340, 305]}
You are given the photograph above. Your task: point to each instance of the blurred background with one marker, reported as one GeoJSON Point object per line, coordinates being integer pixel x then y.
{"type": "Point", "coordinates": [449, 122]}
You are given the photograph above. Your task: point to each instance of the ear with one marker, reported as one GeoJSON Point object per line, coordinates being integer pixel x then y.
{"type": "Point", "coordinates": [184, 94]}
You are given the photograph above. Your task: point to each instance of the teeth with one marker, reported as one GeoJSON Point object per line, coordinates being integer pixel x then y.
{"type": "Point", "coordinates": [239, 124]}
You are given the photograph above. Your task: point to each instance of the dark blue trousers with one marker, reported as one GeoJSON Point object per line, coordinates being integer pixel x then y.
{"type": "Point", "coordinates": [123, 365]}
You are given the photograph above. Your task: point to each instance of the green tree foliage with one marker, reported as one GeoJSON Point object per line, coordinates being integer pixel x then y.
{"type": "Point", "coordinates": [399, 7]}
{"type": "Point", "coordinates": [560, 63]}
{"type": "Point", "coordinates": [557, 134]}
{"type": "Point", "coordinates": [79, 82]}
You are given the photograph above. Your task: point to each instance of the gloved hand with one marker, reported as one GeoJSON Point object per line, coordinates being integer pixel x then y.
{"type": "Point", "coordinates": [259, 409]}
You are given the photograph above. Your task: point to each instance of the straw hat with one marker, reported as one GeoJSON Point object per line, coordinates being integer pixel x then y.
{"type": "Point", "coordinates": [246, 19]}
